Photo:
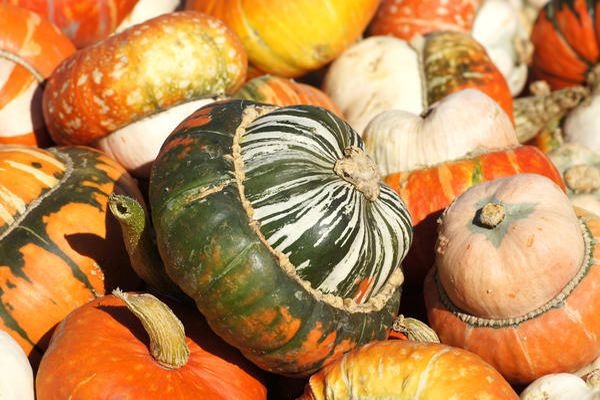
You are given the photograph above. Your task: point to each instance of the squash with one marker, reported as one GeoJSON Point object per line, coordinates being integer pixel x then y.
{"type": "Point", "coordinates": [137, 100]}
{"type": "Point", "coordinates": [30, 49]}
{"type": "Point", "coordinates": [290, 38]}
{"type": "Point", "coordinates": [285, 92]}
{"type": "Point", "coordinates": [517, 308]}
{"type": "Point", "coordinates": [461, 123]}
{"type": "Point", "coordinates": [567, 31]}
{"type": "Point", "coordinates": [16, 377]}
{"type": "Point", "coordinates": [58, 246]}
{"type": "Point", "coordinates": [384, 73]}
{"type": "Point", "coordinates": [580, 168]}
{"type": "Point", "coordinates": [275, 222]}
{"type": "Point", "coordinates": [563, 386]}
{"type": "Point", "coordinates": [496, 24]}
{"type": "Point", "coordinates": [101, 350]}
{"type": "Point", "coordinates": [86, 22]}
{"type": "Point", "coordinates": [405, 370]}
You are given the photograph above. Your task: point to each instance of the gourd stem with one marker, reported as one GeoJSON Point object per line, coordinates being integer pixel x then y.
{"type": "Point", "coordinates": [23, 63]}
{"type": "Point", "coordinates": [535, 113]}
{"type": "Point", "coordinates": [415, 330]}
{"type": "Point", "coordinates": [360, 170]}
{"type": "Point", "coordinates": [167, 335]}
{"type": "Point", "coordinates": [142, 251]}
{"type": "Point", "coordinates": [582, 178]}
{"type": "Point", "coordinates": [491, 215]}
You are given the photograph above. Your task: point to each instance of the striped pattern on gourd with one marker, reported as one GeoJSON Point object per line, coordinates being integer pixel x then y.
{"type": "Point", "coordinates": [305, 209]}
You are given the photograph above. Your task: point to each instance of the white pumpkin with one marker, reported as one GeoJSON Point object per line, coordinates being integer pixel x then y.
{"type": "Point", "coordinates": [146, 9]}
{"type": "Point", "coordinates": [464, 122]}
{"type": "Point", "coordinates": [500, 29]}
{"type": "Point", "coordinates": [16, 376]}
{"type": "Point", "coordinates": [582, 125]}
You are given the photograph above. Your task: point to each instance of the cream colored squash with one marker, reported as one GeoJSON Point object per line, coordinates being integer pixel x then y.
{"type": "Point", "coordinates": [582, 125]}
{"type": "Point", "coordinates": [146, 9]}
{"type": "Point", "coordinates": [498, 252]}
{"type": "Point", "coordinates": [16, 376]}
{"type": "Point", "coordinates": [464, 122]}
{"type": "Point", "coordinates": [500, 29]}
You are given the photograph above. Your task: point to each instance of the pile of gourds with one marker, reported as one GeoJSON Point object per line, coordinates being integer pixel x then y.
{"type": "Point", "coordinates": [226, 199]}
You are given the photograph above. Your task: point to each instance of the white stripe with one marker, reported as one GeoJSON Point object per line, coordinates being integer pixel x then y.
{"type": "Point", "coordinates": [46, 179]}
{"type": "Point", "coordinates": [6, 215]}
{"type": "Point", "coordinates": [36, 153]}
{"type": "Point", "coordinates": [12, 199]}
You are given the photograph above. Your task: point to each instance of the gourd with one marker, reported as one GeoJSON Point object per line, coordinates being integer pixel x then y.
{"type": "Point", "coordinates": [86, 22]}
{"type": "Point", "coordinates": [275, 222]}
{"type": "Point", "coordinates": [496, 24]}
{"type": "Point", "coordinates": [290, 38]}
{"type": "Point", "coordinates": [30, 49]}
{"type": "Point", "coordinates": [384, 73]}
{"type": "Point", "coordinates": [58, 246]}
{"type": "Point", "coordinates": [568, 54]}
{"type": "Point", "coordinates": [101, 350]}
{"type": "Point", "coordinates": [406, 370]}
{"type": "Point", "coordinates": [279, 91]}
{"type": "Point", "coordinates": [16, 379]}
{"type": "Point", "coordinates": [137, 100]}
{"type": "Point", "coordinates": [506, 286]}
{"type": "Point", "coordinates": [462, 123]}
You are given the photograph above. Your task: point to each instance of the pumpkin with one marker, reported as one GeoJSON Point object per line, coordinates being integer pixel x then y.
{"type": "Point", "coordinates": [289, 38]}
{"type": "Point", "coordinates": [16, 376]}
{"type": "Point", "coordinates": [30, 49]}
{"type": "Point", "coordinates": [580, 168]}
{"type": "Point", "coordinates": [507, 287]}
{"type": "Point", "coordinates": [86, 22]}
{"type": "Point", "coordinates": [563, 386]}
{"type": "Point", "coordinates": [461, 123]}
{"type": "Point", "coordinates": [275, 222]}
{"type": "Point", "coordinates": [406, 370]}
{"type": "Point", "coordinates": [384, 73]}
{"type": "Point", "coordinates": [58, 247]}
{"type": "Point", "coordinates": [496, 24]}
{"type": "Point", "coordinates": [107, 339]}
{"type": "Point", "coordinates": [285, 92]}
{"type": "Point", "coordinates": [138, 101]}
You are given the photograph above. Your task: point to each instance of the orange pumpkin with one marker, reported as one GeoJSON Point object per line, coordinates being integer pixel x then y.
{"type": "Point", "coordinates": [291, 37]}
{"type": "Point", "coordinates": [107, 340]}
{"type": "Point", "coordinates": [58, 246]}
{"type": "Point", "coordinates": [516, 278]}
{"type": "Point", "coordinates": [30, 49]}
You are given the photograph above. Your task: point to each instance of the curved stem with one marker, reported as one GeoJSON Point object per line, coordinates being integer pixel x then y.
{"type": "Point", "coordinates": [167, 335]}
{"type": "Point", "coordinates": [144, 257]}
{"type": "Point", "coordinates": [23, 63]}
{"type": "Point", "coordinates": [415, 330]}
{"type": "Point", "coordinates": [536, 113]}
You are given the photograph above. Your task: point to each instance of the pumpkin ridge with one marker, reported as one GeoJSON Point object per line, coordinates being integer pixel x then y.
{"type": "Point", "coordinates": [473, 321]}
{"type": "Point", "coordinates": [375, 303]}
{"type": "Point", "coordinates": [17, 59]}
{"type": "Point", "coordinates": [68, 171]}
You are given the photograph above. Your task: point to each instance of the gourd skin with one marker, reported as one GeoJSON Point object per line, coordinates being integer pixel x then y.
{"type": "Point", "coordinates": [406, 370]}
{"type": "Point", "coordinates": [16, 377]}
{"type": "Point", "coordinates": [247, 211]}
{"type": "Point", "coordinates": [517, 338]}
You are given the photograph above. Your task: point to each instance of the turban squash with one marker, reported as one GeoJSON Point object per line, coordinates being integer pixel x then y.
{"type": "Point", "coordinates": [507, 287]}
{"type": "Point", "coordinates": [275, 222]}
{"type": "Point", "coordinates": [58, 246]}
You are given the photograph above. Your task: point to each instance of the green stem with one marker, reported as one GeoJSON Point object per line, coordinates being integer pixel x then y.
{"type": "Point", "coordinates": [144, 257]}
{"type": "Point", "coordinates": [167, 336]}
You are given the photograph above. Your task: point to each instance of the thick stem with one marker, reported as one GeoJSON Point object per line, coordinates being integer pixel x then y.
{"type": "Point", "coordinates": [142, 251]}
{"type": "Point", "coordinates": [491, 215]}
{"type": "Point", "coordinates": [582, 178]}
{"type": "Point", "coordinates": [23, 63]}
{"type": "Point", "coordinates": [166, 332]}
{"type": "Point", "coordinates": [360, 170]}
{"type": "Point", "coordinates": [415, 330]}
{"type": "Point", "coordinates": [536, 113]}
